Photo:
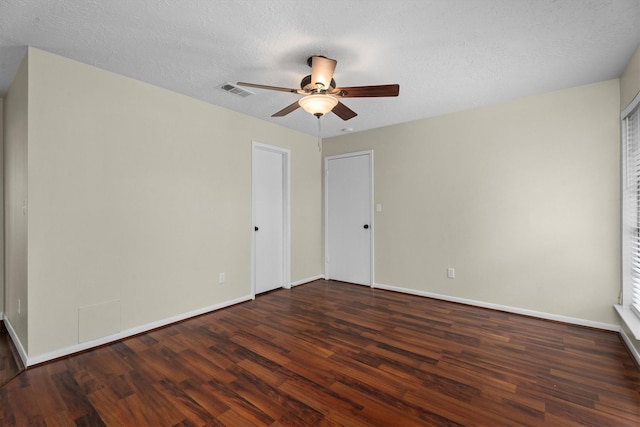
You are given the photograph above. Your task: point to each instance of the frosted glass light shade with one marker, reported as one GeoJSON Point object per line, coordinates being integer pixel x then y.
{"type": "Point", "coordinates": [318, 104]}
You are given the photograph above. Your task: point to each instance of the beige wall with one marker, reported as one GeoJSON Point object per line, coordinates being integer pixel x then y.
{"type": "Point", "coordinates": [522, 198]}
{"type": "Point", "coordinates": [140, 197]}
{"type": "Point", "coordinates": [15, 182]}
{"type": "Point", "coordinates": [630, 80]}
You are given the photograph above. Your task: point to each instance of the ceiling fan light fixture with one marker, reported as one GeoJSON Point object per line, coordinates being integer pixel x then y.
{"type": "Point", "coordinates": [318, 104]}
{"type": "Point", "coordinates": [321, 94]}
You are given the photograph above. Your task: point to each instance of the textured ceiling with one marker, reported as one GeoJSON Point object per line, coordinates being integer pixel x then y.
{"type": "Point", "coordinates": [447, 55]}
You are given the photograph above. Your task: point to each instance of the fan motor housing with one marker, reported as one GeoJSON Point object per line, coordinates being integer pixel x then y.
{"type": "Point", "coordinates": [306, 85]}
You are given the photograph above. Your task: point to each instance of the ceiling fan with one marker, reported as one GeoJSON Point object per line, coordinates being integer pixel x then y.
{"type": "Point", "coordinates": [321, 93]}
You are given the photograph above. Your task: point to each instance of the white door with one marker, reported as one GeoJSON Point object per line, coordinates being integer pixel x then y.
{"type": "Point", "coordinates": [348, 203]}
{"type": "Point", "coordinates": [270, 217]}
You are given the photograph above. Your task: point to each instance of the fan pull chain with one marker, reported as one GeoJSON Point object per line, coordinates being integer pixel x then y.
{"type": "Point", "coordinates": [319, 135]}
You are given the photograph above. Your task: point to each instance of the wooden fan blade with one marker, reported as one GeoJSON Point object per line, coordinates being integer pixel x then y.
{"type": "Point", "coordinates": [286, 110]}
{"type": "Point", "coordinates": [322, 70]}
{"type": "Point", "coordinates": [281, 89]}
{"type": "Point", "coordinates": [344, 112]}
{"type": "Point", "coordinates": [367, 91]}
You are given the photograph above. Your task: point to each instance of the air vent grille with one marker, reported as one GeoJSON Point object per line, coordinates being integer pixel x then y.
{"type": "Point", "coordinates": [236, 90]}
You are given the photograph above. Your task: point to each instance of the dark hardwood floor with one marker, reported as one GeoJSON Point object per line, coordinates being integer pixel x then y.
{"type": "Point", "coordinates": [332, 354]}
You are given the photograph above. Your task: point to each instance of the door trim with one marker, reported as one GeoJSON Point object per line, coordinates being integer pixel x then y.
{"type": "Point", "coordinates": [371, 212]}
{"type": "Point", "coordinates": [286, 209]}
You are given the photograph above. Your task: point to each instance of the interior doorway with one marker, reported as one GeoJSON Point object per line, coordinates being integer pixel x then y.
{"type": "Point", "coordinates": [348, 218]}
{"type": "Point", "coordinates": [270, 217]}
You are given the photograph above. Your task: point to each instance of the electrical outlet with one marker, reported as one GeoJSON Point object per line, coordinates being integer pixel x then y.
{"type": "Point", "coordinates": [451, 273]}
{"type": "Point", "coordinates": [221, 278]}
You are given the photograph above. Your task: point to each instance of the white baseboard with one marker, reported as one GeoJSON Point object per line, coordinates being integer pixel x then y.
{"type": "Point", "coordinates": [629, 343]}
{"type": "Point", "coordinates": [30, 361]}
{"type": "Point", "coordinates": [630, 319]}
{"type": "Point", "coordinates": [16, 341]}
{"type": "Point", "coordinates": [541, 315]}
{"type": "Point", "coordinates": [307, 280]}
{"type": "Point", "coordinates": [508, 309]}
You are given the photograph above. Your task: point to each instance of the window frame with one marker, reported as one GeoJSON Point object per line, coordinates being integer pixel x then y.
{"type": "Point", "coordinates": [628, 307]}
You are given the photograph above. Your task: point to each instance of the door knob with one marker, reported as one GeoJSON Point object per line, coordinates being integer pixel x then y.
{"type": "Point", "coordinates": [255, 228]}
{"type": "Point", "coordinates": [366, 226]}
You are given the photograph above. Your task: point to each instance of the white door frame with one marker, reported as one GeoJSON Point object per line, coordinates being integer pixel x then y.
{"type": "Point", "coordinates": [326, 210]}
{"type": "Point", "coordinates": [286, 210]}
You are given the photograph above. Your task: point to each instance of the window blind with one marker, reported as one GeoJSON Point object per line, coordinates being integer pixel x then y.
{"type": "Point", "coordinates": [631, 139]}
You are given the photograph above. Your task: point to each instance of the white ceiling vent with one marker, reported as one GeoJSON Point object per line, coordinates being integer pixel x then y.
{"type": "Point", "coordinates": [231, 88]}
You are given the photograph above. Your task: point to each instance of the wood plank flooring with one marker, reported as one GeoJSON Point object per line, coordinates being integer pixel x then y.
{"type": "Point", "coordinates": [335, 354]}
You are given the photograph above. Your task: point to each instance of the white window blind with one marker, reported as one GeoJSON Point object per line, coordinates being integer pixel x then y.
{"type": "Point", "coordinates": [631, 210]}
